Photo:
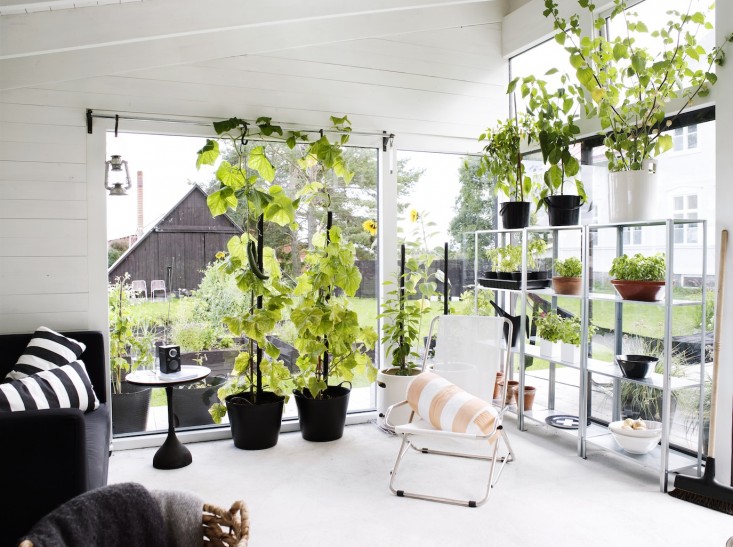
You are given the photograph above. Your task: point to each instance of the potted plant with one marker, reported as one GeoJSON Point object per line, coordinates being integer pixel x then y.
{"type": "Point", "coordinates": [570, 339]}
{"type": "Point", "coordinates": [130, 348]}
{"type": "Point", "coordinates": [549, 326]}
{"type": "Point", "coordinates": [332, 345]}
{"type": "Point", "coordinates": [639, 277]}
{"type": "Point", "coordinates": [629, 89]}
{"type": "Point", "coordinates": [255, 413]}
{"type": "Point", "coordinates": [554, 114]}
{"type": "Point", "coordinates": [568, 278]}
{"type": "Point", "coordinates": [502, 159]}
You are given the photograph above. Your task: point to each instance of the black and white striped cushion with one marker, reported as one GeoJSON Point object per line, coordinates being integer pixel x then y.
{"type": "Point", "coordinates": [67, 386]}
{"type": "Point", "coordinates": [46, 350]}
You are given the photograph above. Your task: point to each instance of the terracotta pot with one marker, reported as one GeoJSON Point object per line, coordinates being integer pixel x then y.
{"type": "Point", "coordinates": [567, 285]}
{"type": "Point", "coordinates": [643, 291]}
{"type": "Point", "coordinates": [529, 393]}
{"type": "Point", "coordinates": [511, 392]}
{"type": "Point", "coordinates": [498, 384]}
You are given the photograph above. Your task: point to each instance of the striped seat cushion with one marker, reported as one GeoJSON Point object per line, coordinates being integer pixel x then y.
{"type": "Point", "coordinates": [447, 407]}
{"type": "Point", "coordinates": [67, 386]}
{"type": "Point", "coordinates": [46, 350]}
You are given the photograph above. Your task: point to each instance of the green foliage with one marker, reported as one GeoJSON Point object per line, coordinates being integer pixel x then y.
{"type": "Point", "coordinates": [325, 323]}
{"type": "Point", "coordinates": [570, 267]}
{"type": "Point", "coordinates": [130, 343]}
{"type": "Point", "coordinates": [628, 88]}
{"type": "Point", "coordinates": [554, 117]}
{"type": "Point", "coordinates": [218, 296]}
{"type": "Point", "coordinates": [502, 156]}
{"type": "Point", "coordinates": [465, 304]}
{"type": "Point", "coordinates": [549, 326]}
{"type": "Point", "coordinates": [195, 336]}
{"type": "Point", "coordinates": [475, 204]}
{"type": "Point", "coordinates": [509, 257]}
{"type": "Point", "coordinates": [570, 331]}
{"type": "Point", "coordinates": [639, 267]}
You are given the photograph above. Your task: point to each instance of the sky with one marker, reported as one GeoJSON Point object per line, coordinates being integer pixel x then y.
{"type": "Point", "coordinates": [168, 164]}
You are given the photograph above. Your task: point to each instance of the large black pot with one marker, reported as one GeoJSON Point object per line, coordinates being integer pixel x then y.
{"type": "Point", "coordinates": [130, 409]}
{"type": "Point", "coordinates": [192, 404]}
{"type": "Point", "coordinates": [323, 420]}
{"type": "Point", "coordinates": [514, 214]}
{"type": "Point", "coordinates": [255, 427]}
{"type": "Point", "coordinates": [563, 210]}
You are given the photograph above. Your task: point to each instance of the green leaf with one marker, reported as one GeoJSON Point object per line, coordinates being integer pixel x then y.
{"type": "Point", "coordinates": [555, 176]}
{"type": "Point", "coordinates": [221, 200]}
{"type": "Point", "coordinates": [230, 176]}
{"type": "Point", "coordinates": [576, 60]}
{"type": "Point", "coordinates": [560, 38]}
{"type": "Point", "coordinates": [620, 51]}
{"type": "Point", "coordinates": [280, 210]}
{"type": "Point", "coordinates": [259, 162]}
{"type": "Point", "coordinates": [572, 166]}
{"type": "Point", "coordinates": [237, 247]}
{"type": "Point", "coordinates": [664, 143]}
{"type": "Point", "coordinates": [512, 85]}
{"type": "Point", "coordinates": [208, 154]}
{"type": "Point", "coordinates": [638, 62]}
{"type": "Point", "coordinates": [227, 125]}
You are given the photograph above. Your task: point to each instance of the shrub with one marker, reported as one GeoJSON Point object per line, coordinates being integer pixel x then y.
{"type": "Point", "coordinates": [218, 296]}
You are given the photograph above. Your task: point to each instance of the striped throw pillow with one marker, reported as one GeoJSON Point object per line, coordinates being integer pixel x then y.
{"type": "Point", "coordinates": [67, 386]}
{"type": "Point", "coordinates": [448, 408]}
{"type": "Point", "coordinates": [46, 350]}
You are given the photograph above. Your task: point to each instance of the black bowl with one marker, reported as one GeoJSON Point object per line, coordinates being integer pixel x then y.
{"type": "Point", "coordinates": [636, 367]}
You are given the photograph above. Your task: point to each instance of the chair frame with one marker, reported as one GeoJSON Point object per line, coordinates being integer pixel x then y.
{"type": "Point", "coordinates": [136, 291]}
{"type": "Point", "coordinates": [154, 289]}
{"type": "Point", "coordinates": [499, 434]}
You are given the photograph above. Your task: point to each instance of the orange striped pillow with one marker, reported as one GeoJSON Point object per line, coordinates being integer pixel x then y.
{"type": "Point", "coordinates": [447, 407]}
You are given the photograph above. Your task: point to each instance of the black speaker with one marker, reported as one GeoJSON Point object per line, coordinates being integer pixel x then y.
{"type": "Point", "coordinates": [170, 359]}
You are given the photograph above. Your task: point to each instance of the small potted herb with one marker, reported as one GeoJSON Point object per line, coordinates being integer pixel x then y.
{"type": "Point", "coordinates": [570, 339]}
{"type": "Point", "coordinates": [639, 277]}
{"type": "Point", "coordinates": [568, 278]}
{"type": "Point", "coordinates": [549, 327]}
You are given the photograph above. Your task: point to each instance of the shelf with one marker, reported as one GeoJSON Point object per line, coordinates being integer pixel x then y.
{"type": "Point", "coordinates": [549, 293]}
{"type": "Point", "coordinates": [611, 370]}
{"type": "Point", "coordinates": [652, 460]}
{"type": "Point", "coordinates": [615, 298]}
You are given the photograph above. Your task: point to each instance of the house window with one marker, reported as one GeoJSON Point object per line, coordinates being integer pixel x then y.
{"type": "Point", "coordinates": [686, 206]}
{"type": "Point", "coordinates": [685, 138]}
{"type": "Point", "coordinates": [632, 236]}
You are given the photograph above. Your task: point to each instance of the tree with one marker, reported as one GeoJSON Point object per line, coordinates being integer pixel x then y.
{"type": "Point", "coordinates": [476, 201]}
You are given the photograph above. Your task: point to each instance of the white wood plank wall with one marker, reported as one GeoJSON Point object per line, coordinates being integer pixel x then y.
{"type": "Point", "coordinates": [43, 217]}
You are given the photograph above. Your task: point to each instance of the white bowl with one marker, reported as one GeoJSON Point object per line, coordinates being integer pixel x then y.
{"type": "Point", "coordinates": [637, 441]}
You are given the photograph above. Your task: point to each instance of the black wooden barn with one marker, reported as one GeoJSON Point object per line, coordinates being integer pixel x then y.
{"type": "Point", "coordinates": [187, 238]}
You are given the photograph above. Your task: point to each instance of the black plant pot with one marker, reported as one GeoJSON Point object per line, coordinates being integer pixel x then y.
{"type": "Point", "coordinates": [504, 275]}
{"type": "Point", "coordinates": [323, 420]}
{"type": "Point", "coordinates": [563, 210]}
{"type": "Point", "coordinates": [514, 214]}
{"type": "Point", "coordinates": [192, 404]}
{"type": "Point", "coordinates": [130, 409]}
{"type": "Point", "coordinates": [255, 427]}
{"type": "Point", "coordinates": [489, 274]}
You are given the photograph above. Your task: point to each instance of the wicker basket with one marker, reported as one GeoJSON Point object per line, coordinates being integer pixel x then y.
{"type": "Point", "coordinates": [221, 527]}
{"type": "Point", "coordinates": [224, 528]}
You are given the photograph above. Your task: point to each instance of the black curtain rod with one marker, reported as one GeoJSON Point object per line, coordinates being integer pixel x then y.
{"type": "Point", "coordinates": [117, 117]}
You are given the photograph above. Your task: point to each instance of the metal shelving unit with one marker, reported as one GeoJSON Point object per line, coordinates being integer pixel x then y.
{"type": "Point", "coordinates": [663, 459]}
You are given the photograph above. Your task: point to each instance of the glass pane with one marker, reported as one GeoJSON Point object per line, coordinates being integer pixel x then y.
{"type": "Point", "coordinates": [678, 203]}
{"type": "Point", "coordinates": [692, 202]}
{"type": "Point", "coordinates": [692, 136]}
{"type": "Point", "coordinates": [692, 233]}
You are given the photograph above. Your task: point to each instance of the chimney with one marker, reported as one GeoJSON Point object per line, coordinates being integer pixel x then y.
{"type": "Point", "coordinates": [139, 203]}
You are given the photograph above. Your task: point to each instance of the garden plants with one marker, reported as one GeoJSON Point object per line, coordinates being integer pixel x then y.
{"type": "Point", "coordinates": [639, 277]}
{"type": "Point", "coordinates": [568, 278]}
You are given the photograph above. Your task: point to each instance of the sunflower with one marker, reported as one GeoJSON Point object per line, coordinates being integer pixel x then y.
{"type": "Point", "coordinates": [370, 226]}
{"type": "Point", "coordinates": [414, 215]}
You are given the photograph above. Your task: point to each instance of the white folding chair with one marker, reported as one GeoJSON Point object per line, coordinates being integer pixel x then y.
{"type": "Point", "coordinates": [157, 285]}
{"type": "Point", "coordinates": [469, 351]}
{"type": "Point", "coordinates": [139, 287]}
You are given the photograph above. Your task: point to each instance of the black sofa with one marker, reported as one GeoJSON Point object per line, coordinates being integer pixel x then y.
{"type": "Point", "coordinates": [50, 456]}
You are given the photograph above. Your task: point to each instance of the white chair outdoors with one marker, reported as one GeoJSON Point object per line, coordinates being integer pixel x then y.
{"type": "Point", "coordinates": [157, 285]}
{"type": "Point", "coordinates": [139, 287]}
{"type": "Point", "coordinates": [469, 351]}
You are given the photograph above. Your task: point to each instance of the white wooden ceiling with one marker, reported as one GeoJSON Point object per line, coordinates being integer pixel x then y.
{"type": "Point", "coordinates": [420, 67]}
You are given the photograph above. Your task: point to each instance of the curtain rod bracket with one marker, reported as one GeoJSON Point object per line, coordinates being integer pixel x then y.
{"type": "Point", "coordinates": [387, 140]}
{"type": "Point", "coordinates": [89, 121]}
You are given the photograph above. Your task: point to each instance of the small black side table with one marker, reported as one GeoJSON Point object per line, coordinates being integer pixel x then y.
{"type": "Point", "coordinates": [172, 454]}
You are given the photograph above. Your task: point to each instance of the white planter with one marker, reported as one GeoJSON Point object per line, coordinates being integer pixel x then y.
{"type": "Point", "coordinates": [632, 195]}
{"type": "Point", "coordinates": [549, 349]}
{"type": "Point", "coordinates": [392, 389]}
{"type": "Point", "coordinates": [570, 353]}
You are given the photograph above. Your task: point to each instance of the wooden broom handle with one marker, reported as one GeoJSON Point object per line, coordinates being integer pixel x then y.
{"type": "Point", "coordinates": [716, 341]}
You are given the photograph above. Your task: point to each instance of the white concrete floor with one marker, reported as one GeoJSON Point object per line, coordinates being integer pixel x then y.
{"type": "Point", "coordinates": [335, 494]}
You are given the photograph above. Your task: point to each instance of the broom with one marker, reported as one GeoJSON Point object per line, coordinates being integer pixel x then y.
{"type": "Point", "coordinates": [706, 491]}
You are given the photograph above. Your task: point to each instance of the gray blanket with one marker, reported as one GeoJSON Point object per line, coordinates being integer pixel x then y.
{"type": "Point", "coordinates": [118, 515]}
{"type": "Point", "coordinates": [182, 514]}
